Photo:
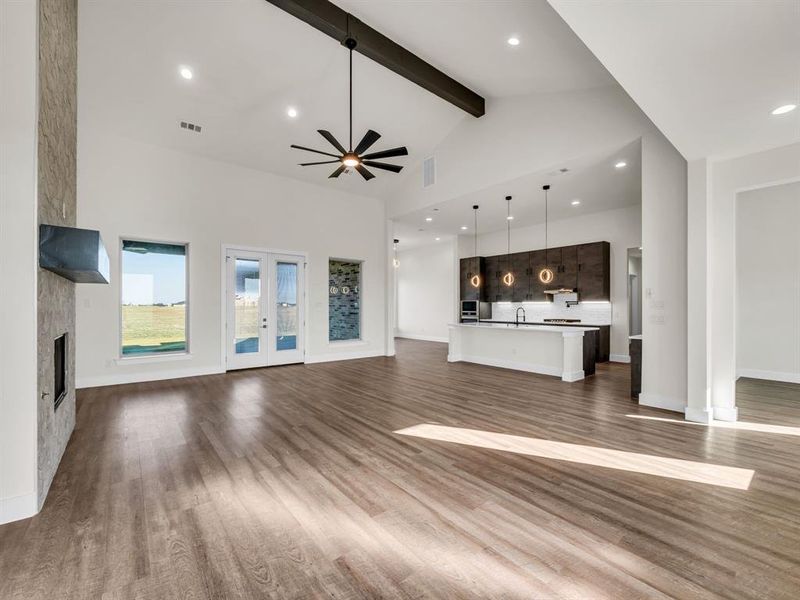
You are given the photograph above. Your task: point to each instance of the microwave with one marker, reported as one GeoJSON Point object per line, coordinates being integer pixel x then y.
{"type": "Point", "coordinates": [474, 310]}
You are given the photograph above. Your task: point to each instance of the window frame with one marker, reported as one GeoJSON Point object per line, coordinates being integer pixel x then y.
{"type": "Point", "coordinates": [153, 356]}
{"type": "Point", "coordinates": [360, 339]}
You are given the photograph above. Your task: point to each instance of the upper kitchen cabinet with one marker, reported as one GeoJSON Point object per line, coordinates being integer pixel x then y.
{"type": "Point", "coordinates": [594, 271]}
{"type": "Point", "coordinates": [567, 269]}
{"type": "Point", "coordinates": [521, 268]}
{"type": "Point", "coordinates": [538, 262]}
{"type": "Point", "coordinates": [469, 267]}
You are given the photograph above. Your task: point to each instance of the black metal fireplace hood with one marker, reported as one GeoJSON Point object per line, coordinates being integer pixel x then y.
{"type": "Point", "coordinates": [76, 254]}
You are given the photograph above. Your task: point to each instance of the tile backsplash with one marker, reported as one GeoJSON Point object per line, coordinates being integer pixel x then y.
{"type": "Point", "coordinates": [590, 313]}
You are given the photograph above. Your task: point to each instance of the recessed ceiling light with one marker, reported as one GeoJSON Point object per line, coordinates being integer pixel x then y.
{"type": "Point", "coordinates": [640, 247]}
{"type": "Point", "coordinates": [621, 164]}
{"type": "Point", "coordinates": [429, 219]}
{"type": "Point", "coordinates": [291, 111]}
{"type": "Point", "coordinates": [782, 110]}
{"type": "Point", "coordinates": [186, 73]}
{"type": "Point", "coordinates": [576, 202]}
{"type": "Point", "coordinates": [463, 228]}
{"type": "Point", "coordinates": [510, 217]}
{"type": "Point", "coordinates": [437, 239]}
{"type": "Point", "coordinates": [513, 41]}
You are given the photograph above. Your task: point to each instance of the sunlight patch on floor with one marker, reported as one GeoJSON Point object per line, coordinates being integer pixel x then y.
{"type": "Point", "coordinates": [742, 425]}
{"type": "Point", "coordinates": [674, 468]}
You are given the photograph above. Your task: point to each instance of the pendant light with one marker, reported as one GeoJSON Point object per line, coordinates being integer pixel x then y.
{"type": "Point", "coordinates": [396, 262]}
{"type": "Point", "coordinates": [508, 278]}
{"type": "Point", "coordinates": [475, 280]}
{"type": "Point", "coordinates": [546, 275]}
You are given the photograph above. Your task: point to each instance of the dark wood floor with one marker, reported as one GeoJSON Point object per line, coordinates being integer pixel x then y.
{"type": "Point", "coordinates": [290, 483]}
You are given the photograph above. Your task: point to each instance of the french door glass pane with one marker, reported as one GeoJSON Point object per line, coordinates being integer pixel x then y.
{"type": "Point", "coordinates": [286, 298]}
{"type": "Point", "coordinates": [246, 306]}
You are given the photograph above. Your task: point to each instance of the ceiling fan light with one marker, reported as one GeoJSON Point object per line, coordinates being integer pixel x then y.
{"type": "Point", "coordinates": [350, 160]}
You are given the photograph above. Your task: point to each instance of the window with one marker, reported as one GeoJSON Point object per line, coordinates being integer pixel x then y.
{"type": "Point", "coordinates": [153, 298]}
{"type": "Point", "coordinates": [344, 300]}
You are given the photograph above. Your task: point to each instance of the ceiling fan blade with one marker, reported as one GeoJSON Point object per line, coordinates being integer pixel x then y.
{"type": "Point", "coordinates": [329, 136]}
{"type": "Point", "coordinates": [401, 151]}
{"type": "Point", "coordinates": [384, 166]}
{"type": "Point", "coordinates": [324, 162]}
{"type": "Point", "coordinates": [312, 150]}
{"type": "Point", "coordinates": [365, 173]}
{"type": "Point", "coordinates": [337, 172]}
{"type": "Point", "coordinates": [369, 138]}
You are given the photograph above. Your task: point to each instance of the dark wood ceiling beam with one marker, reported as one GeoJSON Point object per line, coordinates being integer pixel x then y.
{"type": "Point", "coordinates": [333, 21]}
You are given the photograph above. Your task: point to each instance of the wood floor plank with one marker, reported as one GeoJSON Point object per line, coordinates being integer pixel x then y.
{"type": "Point", "coordinates": [292, 482]}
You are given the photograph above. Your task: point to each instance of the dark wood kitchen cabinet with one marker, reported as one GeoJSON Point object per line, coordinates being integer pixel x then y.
{"type": "Point", "coordinates": [521, 268]}
{"type": "Point", "coordinates": [496, 291]}
{"type": "Point", "coordinates": [538, 262]}
{"type": "Point", "coordinates": [469, 267]}
{"type": "Point", "coordinates": [594, 266]}
{"type": "Point", "coordinates": [567, 269]}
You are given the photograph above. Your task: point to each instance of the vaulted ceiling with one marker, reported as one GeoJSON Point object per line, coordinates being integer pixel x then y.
{"type": "Point", "coordinates": [251, 61]}
{"type": "Point", "coordinates": [708, 74]}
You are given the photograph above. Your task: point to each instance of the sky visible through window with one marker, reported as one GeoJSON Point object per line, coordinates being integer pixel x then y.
{"type": "Point", "coordinates": [153, 278]}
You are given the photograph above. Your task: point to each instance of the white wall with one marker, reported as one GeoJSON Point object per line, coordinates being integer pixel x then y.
{"type": "Point", "coordinates": [768, 283]}
{"type": "Point", "coordinates": [426, 296]}
{"type": "Point", "coordinates": [19, 52]}
{"type": "Point", "coordinates": [127, 188]}
{"type": "Point", "coordinates": [622, 228]}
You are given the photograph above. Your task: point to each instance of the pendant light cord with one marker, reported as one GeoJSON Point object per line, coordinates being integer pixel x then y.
{"type": "Point", "coordinates": [475, 210]}
{"type": "Point", "coordinates": [351, 100]}
{"type": "Point", "coordinates": [546, 249]}
{"type": "Point", "coordinates": [508, 231]}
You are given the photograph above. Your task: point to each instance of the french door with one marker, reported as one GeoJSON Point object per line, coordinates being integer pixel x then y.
{"type": "Point", "coordinates": [265, 309]}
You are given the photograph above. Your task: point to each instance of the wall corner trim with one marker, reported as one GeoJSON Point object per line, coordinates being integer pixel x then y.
{"type": "Point", "coordinates": [18, 507]}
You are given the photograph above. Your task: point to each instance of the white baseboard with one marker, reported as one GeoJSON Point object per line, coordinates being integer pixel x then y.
{"type": "Point", "coordinates": [503, 364]}
{"type": "Point", "coordinates": [334, 356]}
{"type": "Point", "coordinates": [663, 402]}
{"type": "Point", "coordinates": [726, 413]}
{"type": "Point", "coordinates": [620, 358]}
{"type": "Point", "coordinates": [141, 377]}
{"type": "Point", "coordinates": [18, 507]}
{"type": "Point", "coordinates": [770, 375]}
{"type": "Point", "coordinates": [422, 338]}
{"type": "Point", "coordinates": [573, 376]}
{"type": "Point", "coordinates": [699, 415]}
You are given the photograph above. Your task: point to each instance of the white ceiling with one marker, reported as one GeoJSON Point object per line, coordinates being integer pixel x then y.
{"type": "Point", "coordinates": [251, 61]}
{"type": "Point", "coordinates": [594, 180]}
{"type": "Point", "coordinates": [707, 73]}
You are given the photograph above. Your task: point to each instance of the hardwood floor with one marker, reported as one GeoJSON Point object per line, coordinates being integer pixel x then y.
{"type": "Point", "coordinates": [291, 482]}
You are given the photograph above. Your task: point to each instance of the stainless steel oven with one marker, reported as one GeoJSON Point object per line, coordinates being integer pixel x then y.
{"type": "Point", "coordinates": [472, 310]}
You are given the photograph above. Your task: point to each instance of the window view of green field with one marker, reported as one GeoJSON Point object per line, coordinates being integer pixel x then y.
{"type": "Point", "coordinates": [153, 298]}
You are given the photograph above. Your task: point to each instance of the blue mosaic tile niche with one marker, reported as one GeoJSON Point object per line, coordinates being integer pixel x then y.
{"type": "Point", "coordinates": [344, 300]}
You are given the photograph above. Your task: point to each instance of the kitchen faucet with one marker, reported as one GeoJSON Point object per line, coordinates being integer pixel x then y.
{"type": "Point", "coordinates": [516, 318]}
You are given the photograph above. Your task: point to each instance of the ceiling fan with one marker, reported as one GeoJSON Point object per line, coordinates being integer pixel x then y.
{"type": "Point", "coordinates": [354, 157]}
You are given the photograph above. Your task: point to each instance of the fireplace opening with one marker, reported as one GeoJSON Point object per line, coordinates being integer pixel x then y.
{"type": "Point", "coordinates": [60, 370]}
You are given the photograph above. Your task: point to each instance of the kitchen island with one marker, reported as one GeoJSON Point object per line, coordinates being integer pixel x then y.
{"type": "Point", "coordinates": [566, 352]}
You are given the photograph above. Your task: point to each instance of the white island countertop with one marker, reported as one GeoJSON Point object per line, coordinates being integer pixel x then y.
{"type": "Point", "coordinates": [526, 327]}
{"type": "Point", "coordinates": [545, 349]}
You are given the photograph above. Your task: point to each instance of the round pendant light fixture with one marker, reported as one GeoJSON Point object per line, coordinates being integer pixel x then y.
{"type": "Point", "coordinates": [508, 278]}
{"type": "Point", "coordinates": [546, 274]}
{"type": "Point", "coordinates": [475, 280]}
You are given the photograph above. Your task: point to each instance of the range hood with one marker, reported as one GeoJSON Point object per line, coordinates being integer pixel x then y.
{"type": "Point", "coordinates": [76, 254]}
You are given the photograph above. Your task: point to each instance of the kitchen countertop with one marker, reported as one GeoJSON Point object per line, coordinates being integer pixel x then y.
{"type": "Point", "coordinates": [529, 323]}
{"type": "Point", "coordinates": [502, 325]}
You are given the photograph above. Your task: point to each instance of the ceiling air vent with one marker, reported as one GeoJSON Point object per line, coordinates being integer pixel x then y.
{"type": "Point", "coordinates": [191, 126]}
{"type": "Point", "coordinates": [428, 172]}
